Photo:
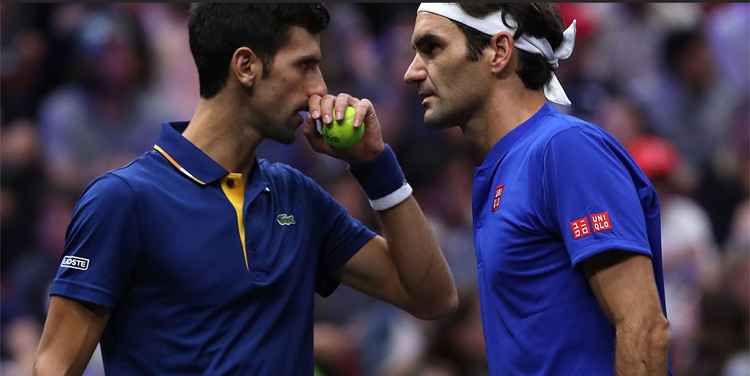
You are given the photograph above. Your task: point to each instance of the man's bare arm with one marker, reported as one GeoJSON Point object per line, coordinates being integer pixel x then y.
{"type": "Point", "coordinates": [71, 332]}
{"type": "Point", "coordinates": [408, 269]}
{"type": "Point", "coordinates": [624, 285]}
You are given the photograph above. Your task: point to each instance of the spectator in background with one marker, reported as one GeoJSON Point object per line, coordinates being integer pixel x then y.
{"type": "Point", "coordinates": [629, 24]}
{"type": "Point", "coordinates": [740, 228]}
{"type": "Point", "coordinates": [107, 117]}
{"type": "Point", "coordinates": [620, 116]}
{"type": "Point", "coordinates": [22, 69]}
{"type": "Point", "coordinates": [737, 284]}
{"type": "Point", "coordinates": [22, 337]}
{"type": "Point", "coordinates": [334, 353]}
{"type": "Point", "coordinates": [390, 342]}
{"type": "Point", "coordinates": [22, 185]}
{"type": "Point", "coordinates": [724, 186]}
{"type": "Point", "coordinates": [456, 344]}
{"type": "Point", "coordinates": [722, 341]}
{"type": "Point", "coordinates": [174, 81]}
{"type": "Point", "coordinates": [690, 104]}
{"type": "Point", "coordinates": [727, 29]}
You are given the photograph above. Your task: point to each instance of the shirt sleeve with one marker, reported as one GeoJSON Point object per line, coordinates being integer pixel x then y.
{"type": "Point", "coordinates": [342, 237]}
{"type": "Point", "coordinates": [592, 198]}
{"type": "Point", "coordinates": [100, 244]}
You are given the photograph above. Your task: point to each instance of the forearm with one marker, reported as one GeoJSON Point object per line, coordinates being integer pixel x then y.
{"type": "Point", "coordinates": [624, 285]}
{"type": "Point", "coordinates": [642, 349]}
{"type": "Point", "coordinates": [416, 255]}
{"type": "Point", "coordinates": [71, 333]}
{"type": "Point", "coordinates": [49, 364]}
{"type": "Point", "coordinates": [56, 356]}
{"type": "Point", "coordinates": [412, 253]}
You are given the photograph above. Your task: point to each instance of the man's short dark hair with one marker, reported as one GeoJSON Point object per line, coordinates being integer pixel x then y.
{"type": "Point", "coordinates": [541, 20]}
{"type": "Point", "coordinates": [217, 30]}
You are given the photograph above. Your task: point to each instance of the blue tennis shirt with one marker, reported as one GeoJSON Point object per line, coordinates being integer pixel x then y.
{"type": "Point", "coordinates": [552, 193]}
{"type": "Point", "coordinates": [205, 271]}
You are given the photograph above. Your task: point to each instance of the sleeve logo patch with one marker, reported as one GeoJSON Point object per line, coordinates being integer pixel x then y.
{"type": "Point", "coordinates": [600, 222]}
{"type": "Point", "coordinates": [73, 262]}
{"type": "Point", "coordinates": [580, 228]}
{"type": "Point", "coordinates": [496, 200]}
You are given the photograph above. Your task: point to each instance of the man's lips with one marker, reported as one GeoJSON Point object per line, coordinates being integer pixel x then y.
{"type": "Point", "coordinates": [425, 94]}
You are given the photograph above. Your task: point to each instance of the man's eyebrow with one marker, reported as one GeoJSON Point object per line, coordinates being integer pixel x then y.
{"type": "Point", "coordinates": [425, 40]}
{"type": "Point", "coordinates": [309, 59]}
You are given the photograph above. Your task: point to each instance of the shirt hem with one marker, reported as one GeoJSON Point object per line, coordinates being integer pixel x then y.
{"type": "Point", "coordinates": [82, 292]}
{"type": "Point", "coordinates": [596, 249]}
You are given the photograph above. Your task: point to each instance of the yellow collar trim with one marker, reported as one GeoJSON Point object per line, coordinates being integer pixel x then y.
{"type": "Point", "coordinates": [177, 165]}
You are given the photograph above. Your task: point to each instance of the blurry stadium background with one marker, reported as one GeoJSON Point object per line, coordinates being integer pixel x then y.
{"type": "Point", "coordinates": [86, 86]}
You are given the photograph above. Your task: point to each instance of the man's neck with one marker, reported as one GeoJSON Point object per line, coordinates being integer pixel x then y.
{"type": "Point", "coordinates": [506, 108]}
{"type": "Point", "coordinates": [220, 131]}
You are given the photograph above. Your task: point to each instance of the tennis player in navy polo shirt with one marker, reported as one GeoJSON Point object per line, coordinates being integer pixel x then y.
{"type": "Point", "coordinates": [566, 226]}
{"type": "Point", "coordinates": [199, 259]}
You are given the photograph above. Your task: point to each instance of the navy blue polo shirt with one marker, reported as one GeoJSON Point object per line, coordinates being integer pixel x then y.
{"type": "Point", "coordinates": [205, 272]}
{"type": "Point", "coordinates": [552, 193]}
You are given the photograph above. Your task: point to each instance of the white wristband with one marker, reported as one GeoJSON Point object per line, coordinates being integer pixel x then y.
{"type": "Point", "coordinates": [392, 199]}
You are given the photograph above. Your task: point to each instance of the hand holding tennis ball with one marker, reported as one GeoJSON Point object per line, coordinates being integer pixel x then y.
{"type": "Point", "coordinates": [342, 134]}
{"type": "Point", "coordinates": [347, 127]}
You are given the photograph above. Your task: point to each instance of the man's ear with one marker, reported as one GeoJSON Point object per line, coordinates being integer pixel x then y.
{"type": "Point", "coordinates": [246, 66]}
{"type": "Point", "coordinates": [501, 49]}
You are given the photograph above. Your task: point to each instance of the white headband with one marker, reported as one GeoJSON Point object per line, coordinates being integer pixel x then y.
{"type": "Point", "coordinates": [493, 24]}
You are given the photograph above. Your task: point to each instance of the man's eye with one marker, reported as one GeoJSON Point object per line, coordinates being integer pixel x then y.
{"type": "Point", "coordinates": [430, 49]}
{"type": "Point", "coordinates": [308, 65]}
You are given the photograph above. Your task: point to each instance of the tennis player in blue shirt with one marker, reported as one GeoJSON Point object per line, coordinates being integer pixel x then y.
{"type": "Point", "coordinates": [566, 226]}
{"type": "Point", "coordinates": [199, 259]}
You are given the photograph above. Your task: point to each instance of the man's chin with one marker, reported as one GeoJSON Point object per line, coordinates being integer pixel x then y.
{"type": "Point", "coordinates": [282, 136]}
{"type": "Point", "coordinates": [433, 121]}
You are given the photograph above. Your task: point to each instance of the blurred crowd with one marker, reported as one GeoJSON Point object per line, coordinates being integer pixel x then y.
{"type": "Point", "coordinates": [86, 86]}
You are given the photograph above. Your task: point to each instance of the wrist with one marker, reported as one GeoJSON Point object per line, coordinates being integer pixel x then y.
{"type": "Point", "coordinates": [382, 179]}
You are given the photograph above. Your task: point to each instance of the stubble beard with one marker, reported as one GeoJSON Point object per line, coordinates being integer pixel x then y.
{"type": "Point", "coordinates": [281, 134]}
{"type": "Point", "coordinates": [447, 118]}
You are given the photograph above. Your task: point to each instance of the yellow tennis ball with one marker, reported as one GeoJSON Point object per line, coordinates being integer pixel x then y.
{"type": "Point", "coordinates": [342, 135]}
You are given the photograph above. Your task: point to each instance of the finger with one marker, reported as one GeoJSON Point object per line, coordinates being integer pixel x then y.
{"type": "Point", "coordinates": [308, 125]}
{"type": "Point", "coordinates": [326, 109]}
{"type": "Point", "coordinates": [314, 138]}
{"type": "Point", "coordinates": [340, 105]}
{"type": "Point", "coordinates": [308, 129]}
{"type": "Point", "coordinates": [362, 107]}
{"type": "Point", "coordinates": [313, 104]}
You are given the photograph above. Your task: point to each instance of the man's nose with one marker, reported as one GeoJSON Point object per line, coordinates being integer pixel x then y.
{"type": "Point", "coordinates": [415, 72]}
{"type": "Point", "coordinates": [317, 86]}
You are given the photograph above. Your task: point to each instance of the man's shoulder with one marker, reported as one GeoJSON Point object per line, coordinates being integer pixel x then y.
{"type": "Point", "coordinates": [131, 177]}
{"type": "Point", "coordinates": [571, 124]}
{"type": "Point", "coordinates": [573, 128]}
{"type": "Point", "coordinates": [140, 170]}
{"type": "Point", "coordinates": [279, 172]}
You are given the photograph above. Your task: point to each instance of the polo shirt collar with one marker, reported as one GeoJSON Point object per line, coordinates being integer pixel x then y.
{"type": "Point", "coordinates": [192, 161]}
{"type": "Point", "coordinates": [502, 147]}
{"type": "Point", "coordinates": [186, 157]}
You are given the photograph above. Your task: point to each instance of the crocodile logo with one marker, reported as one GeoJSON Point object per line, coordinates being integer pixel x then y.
{"type": "Point", "coordinates": [285, 219]}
